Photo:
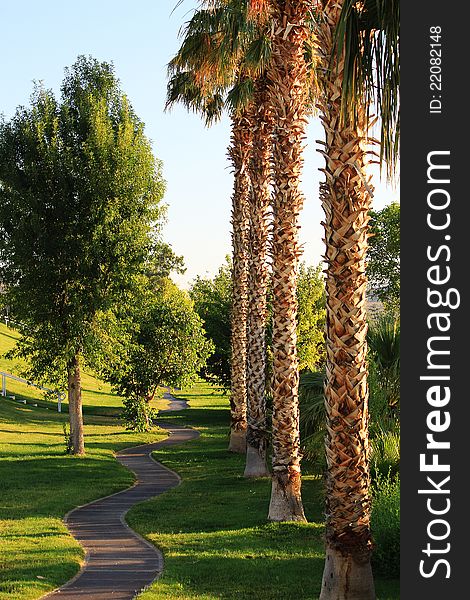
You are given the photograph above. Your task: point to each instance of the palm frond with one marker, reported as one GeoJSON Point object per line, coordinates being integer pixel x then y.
{"type": "Point", "coordinates": [258, 54]}
{"type": "Point", "coordinates": [183, 88]}
{"type": "Point", "coordinates": [240, 94]}
{"type": "Point", "coordinates": [369, 34]}
{"type": "Point", "coordinates": [383, 338]}
{"type": "Point", "coordinates": [312, 403]}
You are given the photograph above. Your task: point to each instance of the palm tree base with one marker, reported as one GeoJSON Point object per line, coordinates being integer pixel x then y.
{"type": "Point", "coordinates": [255, 463]}
{"type": "Point", "coordinates": [345, 578]}
{"type": "Point", "coordinates": [286, 502]}
{"type": "Point", "coordinates": [237, 442]}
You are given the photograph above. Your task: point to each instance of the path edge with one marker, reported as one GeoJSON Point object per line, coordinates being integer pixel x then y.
{"type": "Point", "coordinates": [122, 517]}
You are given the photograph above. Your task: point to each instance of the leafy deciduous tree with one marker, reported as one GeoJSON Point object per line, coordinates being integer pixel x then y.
{"type": "Point", "coordinates": [383, 259]}
{"type": "Point", "coordinates": [310, 318]}
{"type": "Point", "coordinates": [79, 194]}
{"type": "Point", "coordinates": [157, 340]}
{"type": "Point", "coordinates": [212, 301]}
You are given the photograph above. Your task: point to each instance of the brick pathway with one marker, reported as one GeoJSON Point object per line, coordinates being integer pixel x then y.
{"type": "Point", "coordinates": [119, 563]}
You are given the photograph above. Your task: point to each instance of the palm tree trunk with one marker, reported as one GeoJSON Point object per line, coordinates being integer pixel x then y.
{"type": "Point", "coordinates": [75, 405]}
{"type": "Point", "coordinates": [345, 196]}
{"type": "Point", "coordinates": [258, 276]}
{"type": "Point", "coordinates": [287, 76]}
{"type": "Point", "coordinates": [239, 153]}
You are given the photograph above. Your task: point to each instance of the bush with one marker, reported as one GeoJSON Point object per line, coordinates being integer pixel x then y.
{"type": "Point", "coordinates": [384, 424]}
{"type": "Point", "coordinates": [138, 415]}
{"type": "Point", "coordinates": [385, 524]}
{"type": "Point", "coordinates": [312, 419]}
{"type": "Point", "coordinates": [383, 338]}
{"type": "Point", "coordinates": [385, 455]}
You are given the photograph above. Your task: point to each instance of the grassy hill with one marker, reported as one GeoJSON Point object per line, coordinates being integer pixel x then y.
{"type": "Point", "coordinates": [40, 483]}
{"type": "Point", "coordinates": [98, 397]}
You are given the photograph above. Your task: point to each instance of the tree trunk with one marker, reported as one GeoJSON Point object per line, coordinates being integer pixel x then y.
{"type": "Point", "coordinates": [258, 276]}
{"type": "Point", "coordinates": [239, 153]}
{"type": "Point", "coordinates": [75, 405]}
{"type": "Point", "coordinates": [287, 75]}
{"type": "Point", "coordinates": [286, 500]}
{"type": "Point", "coordinates": [346, 576]}
{"type": "Point", "coordinates": [345, 196]}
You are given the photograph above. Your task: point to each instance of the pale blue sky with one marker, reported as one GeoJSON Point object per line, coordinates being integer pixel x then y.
{"type": "Point", "coordinates": [40, 38]}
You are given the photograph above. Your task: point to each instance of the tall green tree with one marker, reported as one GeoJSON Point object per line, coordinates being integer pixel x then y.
{"type": "Point", "coordinates": [212, 300]}
{"type": "Point", "coordinates": [311, 313]}
{"type": "Point", "coordinates": [80, 194]}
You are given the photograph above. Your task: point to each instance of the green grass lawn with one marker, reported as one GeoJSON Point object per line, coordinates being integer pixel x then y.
{"type": "Point", "coordinates": [213, 529]}
{"type": "Point", "coordinates": [40, 484]}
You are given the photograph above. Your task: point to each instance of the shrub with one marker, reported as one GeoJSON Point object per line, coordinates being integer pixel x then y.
{"type": "Point", "coordinates": [384, 424]}
{"type": "Point", "coordinates": [138, 415]}
{"type": "Point", "coordinates": [67, 439]}
{"type": "Point", "coordinates": [385, 455]}
{"type": "Point", "coordinates": [312, 419]}
{"type": "Point", "coordinates": [383, 338]}
{"type": "Point", "coordinates": [385, 524]}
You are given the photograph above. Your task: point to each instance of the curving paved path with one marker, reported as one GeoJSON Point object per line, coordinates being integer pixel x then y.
{"type": "Point", "coordinates": [174, 403]}
{"type": "Point", "coordinates": [119, 563]}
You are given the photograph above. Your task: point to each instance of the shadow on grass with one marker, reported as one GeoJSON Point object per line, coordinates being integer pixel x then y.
{"type": "Point", "coordinates": [36, 486]}
{"type": "Point", "coordinates": [23, 572]}
{"type": "Point", "coordinates": [213, 528]}
{"type": "Point", "coordinates": [13, 411]}
{"type": "Point", "coordinates": [248, 576]}
{"type": "Point", "coordinates": [200, 417]}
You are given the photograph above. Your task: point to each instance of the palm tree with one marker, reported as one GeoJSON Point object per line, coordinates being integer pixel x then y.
{"type": "Point", "coordinates": [249, 36]}
{"type": "Point", "coordinates": [223, 45]}
{"type": "Point", "coordinates": [258, 280]}
{"type": "Point", "coordinates": [239, 152]}
{"type": "Point", "coordinates": [209, 59]}
{"type": "Point", "coordinates": [353, 41]}
{"type": "Point", "coordinates": [280, 101]}
{"type": "Point", "coordinates": [288, 93]}
{"type": "Point", "coordinates": [286, 97]}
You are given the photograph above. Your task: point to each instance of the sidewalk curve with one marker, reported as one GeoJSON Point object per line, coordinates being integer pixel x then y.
{"type": "Point", "coordinates": [119, 563]}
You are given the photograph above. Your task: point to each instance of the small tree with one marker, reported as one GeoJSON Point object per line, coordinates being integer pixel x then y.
{"type": "Point", "coordinates": [159, 342]}
{"type": "Point", "coordinates": [310, 318]}
{"type": "Point", "coordinates": [383, 261]}
{"type": "Point", "coordinates": [79, 197]}
{"type": "Point", "coordinates": [213, 301]}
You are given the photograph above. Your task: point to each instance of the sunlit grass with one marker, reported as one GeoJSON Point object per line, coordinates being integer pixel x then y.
{"type": "Point", "coordinates": [212, 528]}
{"type": "Point", "coordinates": [40, 484]}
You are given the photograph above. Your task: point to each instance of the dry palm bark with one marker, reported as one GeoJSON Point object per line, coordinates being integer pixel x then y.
{"type": "Point", "coordinates": [287, 75]}
{"type": "Point", "coordinates": [239, 154]}
{"type": "Point", "coordinates": [258, 277]}
{"type": "Point", "coordinates": [346, 196]}
{"type": "Point", "coordinates": [75, 405]}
